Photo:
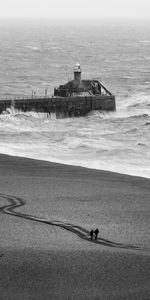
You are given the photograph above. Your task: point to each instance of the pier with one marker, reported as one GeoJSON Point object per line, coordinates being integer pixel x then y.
{"type": "Point", "coordinates": [73, 99]}
{"type": "Point", "coordinates": [62, 107]}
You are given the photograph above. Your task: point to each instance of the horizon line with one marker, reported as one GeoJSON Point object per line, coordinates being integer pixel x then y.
{"type": "Point", "coordinates": [120, 18]}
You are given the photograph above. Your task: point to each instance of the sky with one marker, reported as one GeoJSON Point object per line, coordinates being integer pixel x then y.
{"type": "Point", "coordinates": [139, 9]}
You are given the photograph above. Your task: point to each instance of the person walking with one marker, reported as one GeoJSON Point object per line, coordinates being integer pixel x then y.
{"type": "Point", "coordinates": [91, 234]}
{"type": "Point", "coordinates": [96, 233]}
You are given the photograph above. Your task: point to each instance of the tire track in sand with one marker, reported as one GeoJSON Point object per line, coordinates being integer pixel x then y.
{"type": "Point", "coordinates": [16, 202]}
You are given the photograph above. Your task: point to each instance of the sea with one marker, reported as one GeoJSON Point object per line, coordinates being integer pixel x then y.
{"type": "Point", "coordinates": [39, 54]}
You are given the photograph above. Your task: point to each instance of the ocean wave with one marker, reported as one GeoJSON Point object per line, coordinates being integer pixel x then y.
{"type": "Point", "coordinates": [34, 48]}
{"type": "Point", "coordinates": [101, 114]}
{"type": "Point", "coordinates": [132, 131]}
{"type": "Point", "coordinates": [145, 41]}
{"type": "Point", "coordinates": [129, 101]}
{"type": "Point", "coordinates": [139, 105]}
{"type": "Point", "coordinates": [147, 57]}
{"type": "Point", "coordinates": [142, 144]}
{"type": "Point", "coordinates": [30, 114]}
{"type": "Point", "coordinates": [139, 116]}
{"type": "Point", "coordinates": [121, 114]}
{"type": "Point", "coordinates": [135, 105]}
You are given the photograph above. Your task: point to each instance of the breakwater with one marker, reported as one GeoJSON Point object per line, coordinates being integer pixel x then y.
{"type": "Point", "coordinates": [61, 106]}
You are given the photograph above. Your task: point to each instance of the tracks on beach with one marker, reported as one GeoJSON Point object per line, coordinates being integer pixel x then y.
{"type": "Point", "coordinates": [16, 202]}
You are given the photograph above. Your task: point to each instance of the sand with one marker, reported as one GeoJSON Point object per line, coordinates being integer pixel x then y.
{"type": "Point", "coordinates": [43, 261]}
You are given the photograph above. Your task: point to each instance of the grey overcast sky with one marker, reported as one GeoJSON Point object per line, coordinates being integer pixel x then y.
{"type": "Point", "coordinates": [75, 8]}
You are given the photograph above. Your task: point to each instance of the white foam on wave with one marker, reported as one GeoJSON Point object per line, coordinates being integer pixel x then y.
{"type": "Point", "coordinates": [130, 106]}
{"type": "Point", "coordinates": [145, 41]}
{"type": "Point", "coordinates": [11, 111]}
{"type": "Point", "coordinates": [33, 48]}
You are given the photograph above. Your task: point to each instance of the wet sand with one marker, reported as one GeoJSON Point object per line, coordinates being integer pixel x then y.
{"type": "Point", "coordinates": [43, 261]}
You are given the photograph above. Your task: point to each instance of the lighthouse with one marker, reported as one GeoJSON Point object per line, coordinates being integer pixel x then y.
{"type": "Point", "coordinates": [77, 74]}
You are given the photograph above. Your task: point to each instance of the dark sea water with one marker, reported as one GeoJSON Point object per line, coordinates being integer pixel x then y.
{"type": "Point", "coordinates": [39, 54]}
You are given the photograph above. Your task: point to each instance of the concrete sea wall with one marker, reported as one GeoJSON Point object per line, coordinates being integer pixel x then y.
{"type": "Point", "coordinates": [62, 107]}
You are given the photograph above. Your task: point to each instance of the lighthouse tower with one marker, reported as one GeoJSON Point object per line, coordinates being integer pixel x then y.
{"type": "Point", "coordinates": [77, 74]}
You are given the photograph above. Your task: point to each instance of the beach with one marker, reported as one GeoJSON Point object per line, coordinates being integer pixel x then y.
{"type": "Point", "coordinates": [45, 249]}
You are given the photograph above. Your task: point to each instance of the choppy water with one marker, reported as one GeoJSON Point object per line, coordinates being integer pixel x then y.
{"type": "Point", "coordinates": [40, 54]}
